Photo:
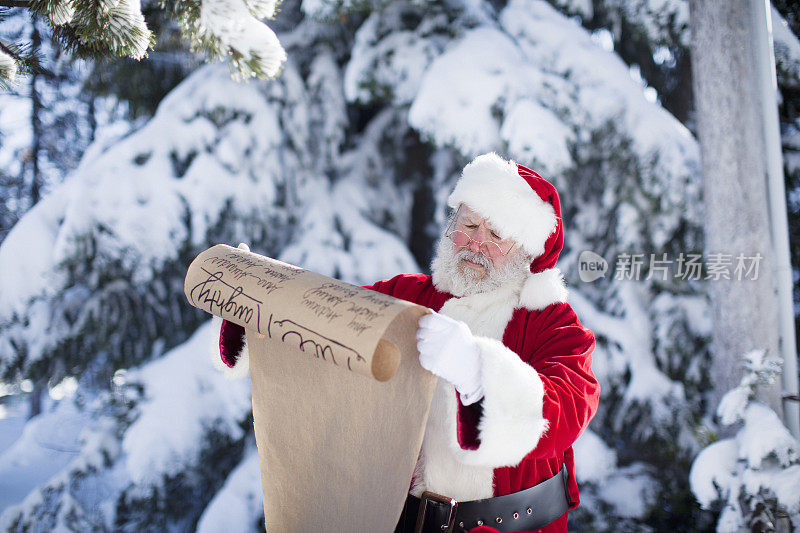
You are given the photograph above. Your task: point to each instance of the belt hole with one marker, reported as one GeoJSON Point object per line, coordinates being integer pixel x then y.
{"type": "Point", "coordinates": [529, 511]}
{"type": "Point", "coordinates": [516, 515]}
{"type": "Point", "coordinates": [499, 520]}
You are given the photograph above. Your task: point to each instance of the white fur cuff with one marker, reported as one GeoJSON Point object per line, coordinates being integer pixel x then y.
{"type": "Point", "coordinates": [512, 421]}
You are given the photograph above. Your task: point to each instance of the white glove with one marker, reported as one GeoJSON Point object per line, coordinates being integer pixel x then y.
{"type": "Point", "coordinates": [243, 246]}
{"type": "Point", "coordinates": [448, 349]}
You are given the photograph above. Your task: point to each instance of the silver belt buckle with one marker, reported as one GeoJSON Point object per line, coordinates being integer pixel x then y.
{"type": "Point", "coordinates": [432, 496]}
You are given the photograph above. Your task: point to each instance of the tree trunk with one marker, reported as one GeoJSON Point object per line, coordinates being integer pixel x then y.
{"type": "Point", "coordinates": [36, 122]}
{"type": "Point", "coordinates": [734, 187]}
{"type": "Point", "coordinates": [35, 402]}
{"type": "Point", "coordinates": [423, 233]}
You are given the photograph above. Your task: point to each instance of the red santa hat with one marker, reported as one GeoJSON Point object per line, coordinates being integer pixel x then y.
{"type": "Point", "coordinates": [518, 202]}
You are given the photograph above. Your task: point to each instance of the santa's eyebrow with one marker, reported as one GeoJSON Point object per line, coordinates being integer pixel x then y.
{"type": "Point", "coordinates": [490, 229]}
{"type": "Point", "coordinates": [471, 219]}
{"type": "Point", "coordinates": [468, 219]}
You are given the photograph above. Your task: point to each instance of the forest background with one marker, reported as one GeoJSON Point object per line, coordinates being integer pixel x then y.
{"type": "Point", "coordinates": [115, 174]}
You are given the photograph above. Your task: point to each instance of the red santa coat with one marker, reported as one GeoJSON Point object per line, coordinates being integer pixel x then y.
{"type": "Point", "coordinates": [539, 391]}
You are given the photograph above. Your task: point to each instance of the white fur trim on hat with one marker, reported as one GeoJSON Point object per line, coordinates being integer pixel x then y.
{"type": "Point", "coordinates": [542, 289]}
{"type": "Point", "coordinates": [492, 187]}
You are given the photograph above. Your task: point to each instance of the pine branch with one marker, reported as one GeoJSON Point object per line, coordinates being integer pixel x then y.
{"type": "Point", "coordinates": [16, 60]}
{"type": "Point", "coordinates": [105, 28]}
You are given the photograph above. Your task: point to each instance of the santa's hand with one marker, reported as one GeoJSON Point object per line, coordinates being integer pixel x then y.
{"type": "Point", "coordinates": [448, 349]}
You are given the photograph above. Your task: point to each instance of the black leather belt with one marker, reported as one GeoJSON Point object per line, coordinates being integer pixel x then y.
{"type": "Point", "coordinates": [525, 510]}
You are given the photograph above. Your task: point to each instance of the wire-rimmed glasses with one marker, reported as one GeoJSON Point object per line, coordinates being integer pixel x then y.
{"type": "Point", "coordinates": [462, 239]}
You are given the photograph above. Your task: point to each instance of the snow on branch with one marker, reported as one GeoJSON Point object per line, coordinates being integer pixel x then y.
{"type": "Point", "coordinates": [761, 369]}
{"type": "Point", "coordinates": [60, 12]}
{"type": "Point", "coordinates": [8, 66]}
{"type": "Point", "coordinates": [234, 28]}
{"type": "Point", "coordinates": [114, 25]}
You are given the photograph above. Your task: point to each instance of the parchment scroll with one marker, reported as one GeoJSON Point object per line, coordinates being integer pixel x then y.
{"type": "Point", "coordinates": [340, 401]}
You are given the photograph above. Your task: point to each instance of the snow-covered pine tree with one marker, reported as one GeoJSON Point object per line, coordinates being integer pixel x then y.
{"type": "Point", "coordinates": [377, 109]}
{"type": "Point", "coordinates": [267, 147]}
{"type": "Point", "coordinates": [653, 38]}
{"type": "Point", "coordinates": [650, 37]}
{"type": "Point", "coordinates": [753, 477]}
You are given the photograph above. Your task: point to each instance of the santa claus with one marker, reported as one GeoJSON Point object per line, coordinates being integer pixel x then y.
{"type": "Point", "coordinates": [516, 387]}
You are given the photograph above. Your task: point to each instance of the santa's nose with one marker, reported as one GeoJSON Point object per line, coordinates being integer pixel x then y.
{"type": "Point", "coordinates": [478, 236]}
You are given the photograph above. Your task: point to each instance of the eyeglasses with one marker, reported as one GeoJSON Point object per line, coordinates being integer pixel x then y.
{"type": "Point", "coordinates": [462, 239]}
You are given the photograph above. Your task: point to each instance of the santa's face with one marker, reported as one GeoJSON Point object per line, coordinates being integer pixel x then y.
{"type": "Point", "coordinates": [478, 246]}
{"type": "Point", "coordinates": [472, 257]}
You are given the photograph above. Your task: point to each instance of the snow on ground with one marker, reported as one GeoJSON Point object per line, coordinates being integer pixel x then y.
{"type": "Point", "coordinates": [46, 445]}
{"type": "Point", "coordinates": [13, 416]}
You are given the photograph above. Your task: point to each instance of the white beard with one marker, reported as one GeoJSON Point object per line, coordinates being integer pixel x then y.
{"type": "Point", "coordinates": [450, 276]}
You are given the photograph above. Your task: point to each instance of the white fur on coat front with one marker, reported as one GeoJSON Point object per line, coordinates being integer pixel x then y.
{"type": "Point", "coordinates": [438, 469]}
{"type": "Point", "coordinates": [512, 421]}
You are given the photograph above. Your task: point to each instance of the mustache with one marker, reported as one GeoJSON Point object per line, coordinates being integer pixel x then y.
{"type": "Point", "coordinates": [475, 257]}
